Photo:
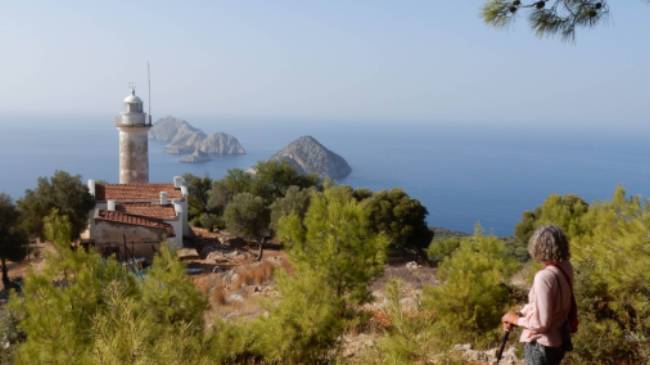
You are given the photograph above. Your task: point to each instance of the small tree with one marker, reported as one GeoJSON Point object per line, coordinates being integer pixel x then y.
{"type": "Point", "coordinates": [72, 285]}
{"type": "Point", "coordinates": [471, 300]}
{"type": "Point", "coordinates": [400, 217]}
{"type": "Point", "coordinates": [248, 216]}
{"type": "Point", "coordinates": [273, 178]}
{"type": "Point", "coordinates": [221, 193]}
{"type": "Point", "coordinates": [562, 210]}
{"type": "Point", "coordinates": [104, 313]}
{"type": "Point", "coordinates": [336, 239]}
{"type": "Point", "coordinates": [197, 189]}
{"type": "Point", "coordinates": [304, 324]}
{"type": "Point", "coordinates": [62, 191]}
{"type": "Point", "coordinates": [611, 259]}
{"type": "Point", "coordinates": [13, 240]}
{"type": "Point", "coordinates": [294, 201]}
{"type": "Point", "coordinates": [440, 249]}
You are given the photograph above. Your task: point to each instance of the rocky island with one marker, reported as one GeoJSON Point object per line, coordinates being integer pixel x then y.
{"type": "Point", "coordinates": [309, 156]}
{"type": "Point", "coordinates": [196, 146]}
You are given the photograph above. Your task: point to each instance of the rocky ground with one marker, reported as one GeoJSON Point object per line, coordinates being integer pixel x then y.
{"type": "Point", "coordinates": [226, 270]}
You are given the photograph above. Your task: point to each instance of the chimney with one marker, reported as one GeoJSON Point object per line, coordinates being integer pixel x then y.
{"type": "Point", "coordinates": [178, 181]}
{"type": "Point", "coordinates": [91, 187]}
{"type": "Point", "coordinates": [110, 205]}
{"type": "Point", "coordinates": [163, 198]}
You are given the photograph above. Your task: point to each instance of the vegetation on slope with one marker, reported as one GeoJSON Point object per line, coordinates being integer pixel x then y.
{"type": "Point", "coordinates": [83, 309]}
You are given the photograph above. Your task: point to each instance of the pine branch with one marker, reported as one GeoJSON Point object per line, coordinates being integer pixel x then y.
{"type": "Point", "coordinates": [548, 17]}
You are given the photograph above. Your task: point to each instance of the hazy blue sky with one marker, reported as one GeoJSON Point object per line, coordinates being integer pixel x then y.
{"type": "Point", "coordinates": [360, 60]}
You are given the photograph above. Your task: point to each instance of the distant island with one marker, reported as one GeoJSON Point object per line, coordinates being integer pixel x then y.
{"type": "Point", "coordinates": [309, 156]}
{"type": "Point", "coordinates": [196, 146]}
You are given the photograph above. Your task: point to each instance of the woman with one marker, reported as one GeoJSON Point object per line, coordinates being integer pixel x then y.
{"type": "Point", "coordinates": [544, 319]}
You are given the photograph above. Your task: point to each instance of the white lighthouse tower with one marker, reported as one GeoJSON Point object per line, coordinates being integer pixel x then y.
{"type": "Point", "coordinates": [133, 127]}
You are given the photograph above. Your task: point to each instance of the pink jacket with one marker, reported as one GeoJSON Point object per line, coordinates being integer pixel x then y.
{"type": "Point", "coordinates": [549, 303]}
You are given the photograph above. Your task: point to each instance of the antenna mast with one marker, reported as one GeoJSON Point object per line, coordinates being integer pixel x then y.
{"type": "Point", "coordinates": [149, 87]}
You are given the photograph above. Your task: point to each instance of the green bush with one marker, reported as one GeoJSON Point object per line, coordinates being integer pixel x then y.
{"type": "Point", "coordinates": [336, 239]}
{"type": "Point", "coordinates": [400, 217]}
{"type": "Point", "coordinates": [469, 303]}
{"type": "Point", "coordinates": [564, 211]}
{"type": "Point", "coordinates": [294, 201]}
{"type": "Point", "coordinates": [62, 191]}
{"type": "Point", "coordinates": [439, 249]}
{"type": "Point", "coordinates": [304, 326]}
{"type": "Point", "coordinates": [409, 339]}
{"type": "Point", "coordinates": [612, 261]}
{"type": "Point", "coordinates": [83, 309]}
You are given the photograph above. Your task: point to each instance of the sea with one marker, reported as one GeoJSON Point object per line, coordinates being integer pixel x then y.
{"type": "Point", "coordinates": [465, 174]}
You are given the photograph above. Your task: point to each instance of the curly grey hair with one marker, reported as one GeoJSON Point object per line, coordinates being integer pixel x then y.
{"type": "Point", "coordinates": [549, 243]}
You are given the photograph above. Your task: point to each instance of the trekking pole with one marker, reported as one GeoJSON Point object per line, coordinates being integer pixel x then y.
{"type": "Point", "coordinates": [503, 346]}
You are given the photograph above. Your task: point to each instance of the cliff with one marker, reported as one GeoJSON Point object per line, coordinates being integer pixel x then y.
{"type": "Point", "coordinates": [307, 155]}
{"type": "Point", "coordinates": [184, 139]}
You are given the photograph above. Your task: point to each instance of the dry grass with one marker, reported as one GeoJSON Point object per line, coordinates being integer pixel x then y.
{"type": "Point", "coordinates": [256, 274]}
{"type": "Point", "coordinates": [212, 287]}
{"type": "Point", "coordinates": [218, 295]}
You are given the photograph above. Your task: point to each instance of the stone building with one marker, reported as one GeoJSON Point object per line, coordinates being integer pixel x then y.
{"type": "Point", "coordinates": [133, 217]}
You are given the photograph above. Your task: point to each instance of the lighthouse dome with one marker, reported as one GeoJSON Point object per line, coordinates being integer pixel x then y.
{"type": "Point", "coordinates": [132, 99]}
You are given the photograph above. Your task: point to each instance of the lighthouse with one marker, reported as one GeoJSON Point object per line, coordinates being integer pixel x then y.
{"type": "Point", "coordinates": [133, 128]}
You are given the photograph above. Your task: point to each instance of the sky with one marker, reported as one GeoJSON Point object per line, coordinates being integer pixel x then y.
{"type": "Point", "coordinates": [359, 61]}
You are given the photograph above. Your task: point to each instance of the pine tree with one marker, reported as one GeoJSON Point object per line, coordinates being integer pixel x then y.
{"type": "Point", "coordinates": [336, 239]}
{"type": "Point", "coordinates": [612, 261]}
{"type": "Point", "coordinates": [304, 326]}
{"type": "Point", "coordinates": [83, 309]}
{"type": "Point", "coordinates": [473, 294]}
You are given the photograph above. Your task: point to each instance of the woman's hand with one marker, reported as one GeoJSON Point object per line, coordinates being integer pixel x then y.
{"type": "Point", "coordinates": [509, 320]}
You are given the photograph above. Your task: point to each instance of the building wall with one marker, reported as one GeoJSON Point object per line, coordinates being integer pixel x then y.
{"type": "Point", "coordinates": [177, 224]}
{"type": "Point", "coordinates": [110, 232]}
{"type": "Point", "coordinates": [134, 154]}
{"type": "Point", "coordinates": [140, 241]}
{"type": "Point", "coordinates": [147, 250]}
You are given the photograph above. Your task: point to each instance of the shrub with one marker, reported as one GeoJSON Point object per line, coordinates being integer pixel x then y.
{"type": "Point", "coordinates": [611, 261]}
{"type": "Point", "coordinates": [400, 217]}
{"type": "Point", "coordinates": [336, 239]}
{"type": "Point", "coordinates": [564, 211]}
{"type": "Point", "coordinates": [62, 191]}
{"type": "Point", "coordinates": [409, 338]}
{"type": "Point", "coordinates": [197, 189]}
{"type": "Point", "coordinates": [439, 249]}
{"type": "Point", "coordinates": [303, 327]}
{"type": "Point", "coordinates": [468, 305]}
{"type": "Point", "coordinates": [294, 201]}
{"type": "Point", "coordinates": [105, 314]}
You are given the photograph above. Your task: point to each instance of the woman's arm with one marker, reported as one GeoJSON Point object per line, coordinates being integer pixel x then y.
{"type": "Point", "coordinates": [537, 317]}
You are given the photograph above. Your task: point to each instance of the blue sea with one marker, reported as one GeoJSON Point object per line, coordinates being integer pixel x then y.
{"type": "Point", "coordinates": [464, 174]}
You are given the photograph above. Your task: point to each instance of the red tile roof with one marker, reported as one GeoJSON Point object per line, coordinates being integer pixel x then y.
{"type": "Point", "coordinates": [135, 192]}
{"type": "Point", "coordinates": [146, 209]}
{"type": "Point", "coordinates": [134, 220]}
